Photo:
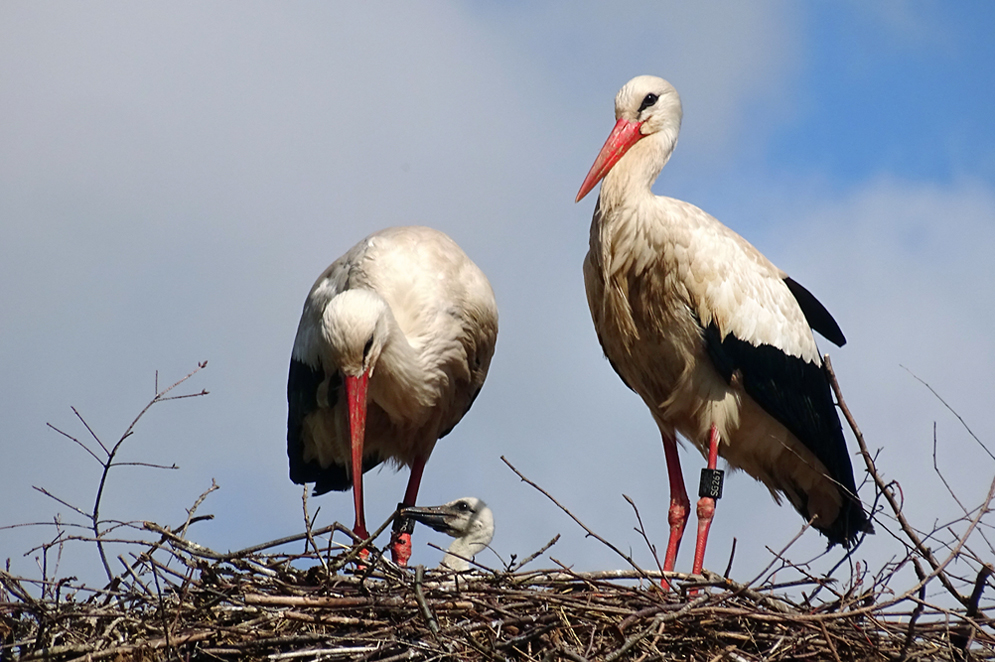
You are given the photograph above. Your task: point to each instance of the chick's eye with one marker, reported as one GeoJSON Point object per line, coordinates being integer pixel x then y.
{"type": "Point", "coordinates": [648, 101]}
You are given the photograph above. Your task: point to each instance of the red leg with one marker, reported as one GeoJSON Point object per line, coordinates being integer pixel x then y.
{"type": "Point", "coordinates": [706, 506]}
{"type": "Point", "coordinates": [677, 516]}
{"type": "Point", "coordinates": [400, 543]}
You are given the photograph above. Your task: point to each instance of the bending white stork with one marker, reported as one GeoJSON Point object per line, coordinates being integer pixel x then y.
{"type": "Point", "coordinates": [392, 348]}
{"type": "Point", "coordinates": [468, 520]}
{"type": "Point", "coordinates": [715, 339]}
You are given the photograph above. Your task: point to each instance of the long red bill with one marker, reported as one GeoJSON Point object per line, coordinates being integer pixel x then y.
{"type": "Point", "coordinates": [623, 136]}
{"type": "Point", "coordinates": [356, 388]}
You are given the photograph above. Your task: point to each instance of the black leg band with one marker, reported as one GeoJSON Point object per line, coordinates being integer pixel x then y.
{"type": "Point", "coordinates": [711, 483]}
{"type": "Point", "coordinates": [403, 524]}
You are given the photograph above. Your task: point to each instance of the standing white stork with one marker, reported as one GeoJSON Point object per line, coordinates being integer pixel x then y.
{"type": "Point", "coordinates": [715, 339]}
{"type": "Point", "coordinates": [392, 348]}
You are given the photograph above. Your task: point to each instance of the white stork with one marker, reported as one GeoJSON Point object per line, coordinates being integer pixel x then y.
{"type": "Point", "coordinates": [392, 348]}
{"type": "Point", "coordinates": [715, 339]}
{"type": "Point", "coordinates": [468, 520]}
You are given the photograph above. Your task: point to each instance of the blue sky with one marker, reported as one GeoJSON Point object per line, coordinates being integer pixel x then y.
{"type": "Point", "coordinates": [904, 93]}
{"type": "Point", "coordinates": [172, 180]}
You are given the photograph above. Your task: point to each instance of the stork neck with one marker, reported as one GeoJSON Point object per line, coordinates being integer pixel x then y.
{"type": "Point", "coordinates": [632, 177]}
{"type": "Point", "coordinates": [403, 384]}
{"type": "Point", "coordinates": [462, 548]}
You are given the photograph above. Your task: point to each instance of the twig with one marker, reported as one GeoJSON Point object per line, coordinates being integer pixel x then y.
{"type": "Point", "coordinates": [829, 641]}
{"type": "Point", "coordinates": [77, 441]}
{"type": "Point", "coordinates": [308, 522]}
{"type": "Point", "coordinates": [641, 530]}
{"type": "Point", "coordinates": [532, 557]}
{"type": "Point", "coordinates": [297, 537]}
{"type": "Point", "coordinates": [916, 612]}
{"type": "Point", "coordinates": [90, 430]}
{"type": "Point", "coordinates": [420, 597]}
{"type": "Point", "coordinates": [779, 556]}
{"type": "Point", "coordinates": [636, 638]}
{"type": "Point", "coordinates": [196, 504]}
{"type": "Point", "coordinates": [952, 411]}
{"type": "Point", "coordinates": [732, 555]}
{"type": "Point", "coordinates": [936, 470]}
{"type": "Point", "coordinates": [883, 489]}
{"type": "Point", "coordinates": [590, 533]}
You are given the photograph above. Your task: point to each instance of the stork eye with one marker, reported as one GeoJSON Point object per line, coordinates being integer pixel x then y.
{"type": "Point", "coordinates": [648, 101]}
{"type": "Point", "coordinates": [463, 505]}
{"type": "Point", "coordinates": [367, 347]}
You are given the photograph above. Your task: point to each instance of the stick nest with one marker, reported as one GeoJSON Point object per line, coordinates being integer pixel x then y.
{"type": "Point", "coordinates": [256, 607]}
{"type": "Point", "coordinates": [175, 599]}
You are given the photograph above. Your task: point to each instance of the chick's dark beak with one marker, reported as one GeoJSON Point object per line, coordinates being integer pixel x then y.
{"type": "Point", "coordinates": [436, 517]}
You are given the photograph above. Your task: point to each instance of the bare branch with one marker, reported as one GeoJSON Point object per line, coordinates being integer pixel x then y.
{"type": "Point", "coordinates": [590, 533]}
{"type": "Point", "coordinates": [76, 441]}
{"type": "Point", "coordinates": [641, 530]}
{"type": "Point", "coordinates": [62, 501]}
{"type": "Point", "coordinates": [196, 504]}
{"type": "Point", "coordinates": [952, 411]}
{"type": "Point", "coordinates": [308, 523]}
{"type": "Point", "coordinates": [89, 429]}
{"type": "Point", "coordinates": [883, 489]}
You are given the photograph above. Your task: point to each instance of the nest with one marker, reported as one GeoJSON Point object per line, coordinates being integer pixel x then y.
{"type": "Point", "coordinates": [173, 599]}
{"type": "Point", "coordinates": [198, 604]}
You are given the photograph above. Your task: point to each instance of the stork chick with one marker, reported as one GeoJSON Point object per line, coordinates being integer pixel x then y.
{"type": "Point", "coordinates": [468, 520]}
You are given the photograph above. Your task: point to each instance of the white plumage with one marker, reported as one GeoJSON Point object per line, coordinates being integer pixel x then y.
{"type": "Point", "coordinates": [392, 348]}
{"type": "Point", "coordinates": [715, 339]}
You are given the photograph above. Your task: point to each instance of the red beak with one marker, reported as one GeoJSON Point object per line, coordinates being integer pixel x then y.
{"type": "Point", "coordinates": [623, 136]}
{"type": "Point", "coordinates": [356, 388]}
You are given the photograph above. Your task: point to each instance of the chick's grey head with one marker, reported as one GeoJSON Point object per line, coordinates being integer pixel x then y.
{"type": "Point", "coordinates": [468, 517]}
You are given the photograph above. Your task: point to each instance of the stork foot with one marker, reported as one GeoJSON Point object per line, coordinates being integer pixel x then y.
{"type": "Point", "coordinates": [400, 548]}
{"type": "Point", "coordinates": [400, 536]}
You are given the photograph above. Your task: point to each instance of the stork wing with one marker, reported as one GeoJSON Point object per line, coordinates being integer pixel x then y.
{"type": "Point", "coordinates": [816, 314]}
{"type": "Point", "coordinates": [307, 375]}
{"type": "Point", "coordinates": [797, 394]}
{"type": "Point", "coordinates": [302, 392]}
{"type": "Point", "coordinates": [302, 401]}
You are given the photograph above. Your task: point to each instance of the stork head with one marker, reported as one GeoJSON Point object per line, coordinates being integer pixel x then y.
{"type": "Point", "coordinates": [356, 325]}
{"type": "Point", "coordinates": [645, 106]}
{"type": "Point", "coordinates": [355, 328]}
{"type": "Point", "coordinates": [468, 518]}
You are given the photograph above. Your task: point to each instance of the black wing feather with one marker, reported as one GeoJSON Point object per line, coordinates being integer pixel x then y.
{"type": "Point", "coordinates": [797, 394]}
{"type": "Point", "coordinates": [302, 399]}
{"type": "Point", "coordinates": [816, 314]}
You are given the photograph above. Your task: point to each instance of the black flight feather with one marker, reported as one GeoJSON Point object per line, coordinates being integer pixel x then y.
{"type": "Point", "coordinates": [302, 399]}
{"type": "Point", "coordinates": [797, 394]}
{"type": "Point", "coordinates": [816, 314]}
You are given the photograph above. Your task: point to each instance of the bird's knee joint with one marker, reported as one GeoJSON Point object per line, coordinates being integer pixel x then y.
{"type": "Point", "coordinates": [678, 514]}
